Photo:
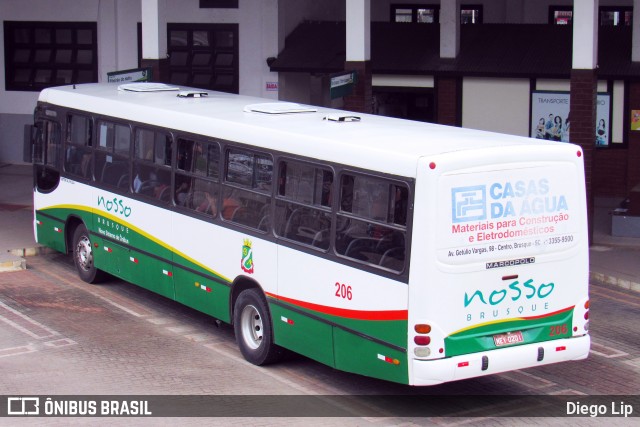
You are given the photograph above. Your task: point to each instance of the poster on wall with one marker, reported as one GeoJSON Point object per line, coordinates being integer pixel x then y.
{"type": "Point", "coordinates": [635, 119]}
{"type": "Point", "coordinates": [550, 118]}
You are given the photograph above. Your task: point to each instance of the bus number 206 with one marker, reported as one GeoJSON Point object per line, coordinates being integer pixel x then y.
{"type": "Point", "coordinates": [343, 291]}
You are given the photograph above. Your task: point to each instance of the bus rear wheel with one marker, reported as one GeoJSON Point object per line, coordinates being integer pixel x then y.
{"type": "Point", "coordinates": [254, 332]}
{"type": "Point", "coordinates": [83, 256]}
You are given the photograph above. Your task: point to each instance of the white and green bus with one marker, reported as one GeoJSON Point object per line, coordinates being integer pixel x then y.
{"type": "Point", "coordinates": [400, 250]}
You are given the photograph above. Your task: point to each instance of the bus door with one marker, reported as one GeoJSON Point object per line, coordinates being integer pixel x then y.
{"type": "Point", "coordinates": [45, 141]}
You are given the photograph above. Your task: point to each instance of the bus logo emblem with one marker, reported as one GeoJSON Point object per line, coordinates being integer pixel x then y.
{"type": "Point", "coordinates": [247, 257]}
{"type": "Point", "coordinates": [469, 203]}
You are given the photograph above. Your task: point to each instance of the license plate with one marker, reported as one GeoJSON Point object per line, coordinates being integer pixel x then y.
{"type": "Point", "coordinates": [508, 339]}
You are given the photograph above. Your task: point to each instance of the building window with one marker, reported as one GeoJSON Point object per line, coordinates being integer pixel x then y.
{"type": "Point", "coordinates": [560, 15]}
{"type": "Point", "coordinates": [609, 15]}
{"type": "Point", "coordinates": [616, 16]}
{"type": "Point", "coordinates": [43, 54]}
{"type": "Point", "coordinates": [421, 13]}
{"type": "Point", "coordinates": [430, 13]}
{"type": "Point", "coordinates": [218, 4]}
{"type": "Point", "coordinates": [204, 56]}
{"type": "Point", "coordinates": [471, 14]}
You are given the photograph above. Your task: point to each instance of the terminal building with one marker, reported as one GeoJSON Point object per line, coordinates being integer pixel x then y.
{"type": "Point", "coordinates": [565, 70]}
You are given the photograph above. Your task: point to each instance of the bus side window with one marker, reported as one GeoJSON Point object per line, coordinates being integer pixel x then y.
{"type": "Point", "coordinates": [247, 194]}
{"type": "Point", "coordinates": [196, 186]}
{"type": "Point", "coordinates": [371, 223]}
{"type": "Point", "coordinates": [78, 153]}
{"type": "Point", "coordinates": [122, 141]}
{"type": "Point", "coordinates": [111, 156]}
{"type": "Point", "coordinates": [302, 205]}
{"type": "Point", "coordinates": [152, 176]}
{"type": "Point", "coordinates": [400, 204]}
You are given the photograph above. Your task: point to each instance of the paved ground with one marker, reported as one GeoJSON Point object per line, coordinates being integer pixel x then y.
{"type": "Point", "coordinates": [61, 336]}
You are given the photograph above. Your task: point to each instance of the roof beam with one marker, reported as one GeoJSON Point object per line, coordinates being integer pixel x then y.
{"type": "Point", "coordinates": [449, 28]}
{"type": "Point", "coordinates": [358, 30]}
{"type": "Point", "coordinates": [585, 34]}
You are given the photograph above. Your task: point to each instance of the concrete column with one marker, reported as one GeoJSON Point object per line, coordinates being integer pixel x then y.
{"type": "Point", "coordinates": [449, 28]}
{"type": "Point", "coordinates": [635, 45]}
{"type": "Point", "coordinates": [154, 38]}
{"type": "Point", "coordinates": [584, 86]}
{"type": "Point", "coordinates": [359, 55]}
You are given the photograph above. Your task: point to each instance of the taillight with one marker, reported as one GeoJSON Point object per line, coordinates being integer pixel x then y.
{"type": "Point", "coordinates": [422, 340]}
{"type": "Point", "coordinates": [422, 329]}
{"type": "Point", "coordinates": [585, 325]}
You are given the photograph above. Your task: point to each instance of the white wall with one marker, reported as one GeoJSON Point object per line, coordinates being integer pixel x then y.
{"type": "Point", "coordinates": [101, 11]}
{"type": "Point", "coordinates": [117, 36]}
{"type": "Point", "coordinates": [117, 20]}
{"type": "Point", "coordinates": [258, 36]}
{"type": "Point", "coordinates": [117, 49]}
{"type": "Point", "coordinates": [500, 105]}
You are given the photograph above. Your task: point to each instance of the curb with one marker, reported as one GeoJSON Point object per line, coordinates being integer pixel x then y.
{"type": "Point", "coordinates": [11, 262]}
{"type": "Point", "coordinates": [614, 281]}
{"type": "Point", "coordinates": [26, 252]}
{"type": "Point", "coordinates": [14, 259]}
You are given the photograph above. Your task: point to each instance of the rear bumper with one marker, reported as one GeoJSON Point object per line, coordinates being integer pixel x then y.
{"type": "Point", "coordinates": [431, 372]}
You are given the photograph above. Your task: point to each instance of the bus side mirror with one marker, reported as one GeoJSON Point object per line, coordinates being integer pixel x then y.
{"type": "Point", "coordinates": [28, 143]}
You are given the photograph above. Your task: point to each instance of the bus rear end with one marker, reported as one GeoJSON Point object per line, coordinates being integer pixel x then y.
{"type": "Point", "coordinates": [499, 277]}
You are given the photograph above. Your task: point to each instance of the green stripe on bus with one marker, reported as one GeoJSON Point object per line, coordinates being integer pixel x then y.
{"type": "Point", "coordinates": [555, 326]}
{"type": "Point", "coordinates": [139, 239]}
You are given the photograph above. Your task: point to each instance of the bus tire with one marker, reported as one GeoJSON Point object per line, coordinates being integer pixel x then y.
{"type": "Point", "coordinates": [253, 329]}
{"type": "Point", "coordinates": [83, 256]}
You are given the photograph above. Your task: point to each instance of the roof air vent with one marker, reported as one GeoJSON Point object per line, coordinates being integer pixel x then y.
{"type": "Point", "coordinates": [279, 108]}
{"type": "Point", "coordinates": [341, 118]}
{"type": "Point", "coordinates": [146, 87]}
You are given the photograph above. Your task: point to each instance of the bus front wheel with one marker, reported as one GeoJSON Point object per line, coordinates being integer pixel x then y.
{"type": "Point", "coordinates": [252, 325]}
{"type": "Point", "coordinates": [83, 256]}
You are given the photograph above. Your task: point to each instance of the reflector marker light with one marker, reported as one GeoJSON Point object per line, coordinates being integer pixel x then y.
{"type": "Point", "coordinates": [133, 260]}
{"type": "Point", "coordinates": [512, 277]}
{"type": "Point", "coordinates": [38, 222]}
{"type": "Point", "coordinates": [561, 348]}
{"type": "Point", "coordinates": [286, 320]}
{"type": "Point", "coordinates": [167, 273]}
{"type": "Point", "coordinates": [107, 249]}
{"type": "Point", "coordinates": [388, 359]}
{"type": "Point", "coordinates": [58, 230]}
{"type": "Point", "coordinates": [463, 364]}
{"type": "Point", "coordinates": [203, 287]}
